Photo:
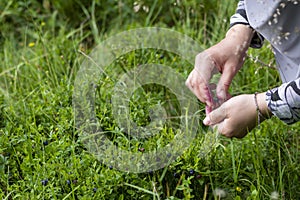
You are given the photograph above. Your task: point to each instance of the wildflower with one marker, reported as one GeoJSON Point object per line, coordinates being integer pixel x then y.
{"type": "Point", "coordinates": [43, 23]}
{"type": "Point", "coordinates": [175, 175]}
{"type": "Point", "coordinates": [274, 195]}
{"type": "Point", "coordinates": [44, 182]}
{"type": "Point", "coordinates": [31, 44]}
{"type": "Point", "coordinates": [220, 193]}
{"type": "Point", "coordinates": [141, 149]}
{"type": "Point", "coordinates": [238, 189]}
{"type": "Point", "coordinates": [192, 172]}
{"type": "Point", "coordinates": [150, 172]}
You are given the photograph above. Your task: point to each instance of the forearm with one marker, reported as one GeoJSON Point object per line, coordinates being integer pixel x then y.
{"type": "Point", "coordinates": [241, 32]}
{"type": "Point", "coordinates": [240, 18]}
{"type": "Point", "coordinates": [242, 35]}
{"type": "Point", "coordinates": [233, 47]}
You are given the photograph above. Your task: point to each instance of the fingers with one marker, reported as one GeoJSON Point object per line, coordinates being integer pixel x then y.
{"type": "Point", "coordinates": [198, 85]}
{"type": "Point", "coordinates": [234, 118]}
{"type": "Point", "coordinates": [224, 83]}
{"type": "Point", "coordinates": [225, 129]}
{"type": "Point", "coordinates": [208, 109]}
{"type": "Point", "coordinates": [216, 116]}
{"type": "Point", "coordinates": [198, 80]}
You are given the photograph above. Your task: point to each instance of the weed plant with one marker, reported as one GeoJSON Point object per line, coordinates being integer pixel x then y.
{"type": "Point", "coordinates": [41, 154]}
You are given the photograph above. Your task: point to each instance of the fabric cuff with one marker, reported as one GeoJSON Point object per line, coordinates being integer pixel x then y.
{"type": "Point", "coordinates": [284, 103]}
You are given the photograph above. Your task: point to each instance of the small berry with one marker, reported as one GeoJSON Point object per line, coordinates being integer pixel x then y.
{"type": "Point", "coordinates": [141, 149]}
{"type": "Point", "coordinates": [111, 167]}
{"type": "Point", "coordinates": [45, 182]}
{"type": "Point", "coordinates": [74, 181]}
{"type": "Point", "coordinates": [192, 172]}
{"type": "Point", "coordinates": [169, 155]}
{"type": "Point", "coordinates": [199, 176]}
{"type": "Point", "coordinates": [161, 56]}
{"type": "Point", "coordinates": [95, 189]}
{"type": "Point", "coordinates": [175, 175]}
{"type": "Point", "coordinates": [68, 182]}
{"type": "Point", "coordinates": [150, 172]}
{"type": "Point", "coordinates": [45, 143]}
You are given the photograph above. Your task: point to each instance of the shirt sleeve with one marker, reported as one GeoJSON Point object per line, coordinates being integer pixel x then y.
{"type": "Point", "coordinates": [284, 101]}
{"type": "Point", "coordinates": [240, 17]}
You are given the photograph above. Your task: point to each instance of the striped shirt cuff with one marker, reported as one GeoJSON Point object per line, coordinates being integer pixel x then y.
{"type": "Point", "coordinates": [284, 101]}
{"type": "Point", "coordinates": [240, 17]}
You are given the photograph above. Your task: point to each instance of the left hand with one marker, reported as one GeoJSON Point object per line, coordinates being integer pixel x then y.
{"type": "Point", "coordinates": [225, 57]}
{"type": "Point", "coordinates": [237, 116]}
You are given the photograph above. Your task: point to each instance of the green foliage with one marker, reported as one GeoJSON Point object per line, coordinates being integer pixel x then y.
{"type": "Point", "coordinates": [41, 155]}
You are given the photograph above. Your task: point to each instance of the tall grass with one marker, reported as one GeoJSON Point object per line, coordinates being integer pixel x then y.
{"type": "Point", "coordinates": [41, 156]}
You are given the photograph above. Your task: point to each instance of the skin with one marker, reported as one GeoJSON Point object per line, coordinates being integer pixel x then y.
{"type": "Point", "coordinates": [236, 116]}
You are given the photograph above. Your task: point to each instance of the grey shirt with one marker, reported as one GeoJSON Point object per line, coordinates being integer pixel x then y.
{"type": "Point", "coordinates": [279, 23]}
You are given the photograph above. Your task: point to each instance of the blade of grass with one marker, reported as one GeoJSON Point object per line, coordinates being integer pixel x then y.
{"type": "Point", "coordinates": [143, 189]}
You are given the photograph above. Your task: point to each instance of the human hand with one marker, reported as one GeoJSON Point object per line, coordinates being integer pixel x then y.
{"type": "Point", "coordinates": [238, 116]}
{"type": "Point", "coordinates": [226, 57]}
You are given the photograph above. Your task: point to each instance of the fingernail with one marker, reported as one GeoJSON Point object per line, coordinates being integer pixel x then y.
{"type": "Point", "coordinates": [206, 121]}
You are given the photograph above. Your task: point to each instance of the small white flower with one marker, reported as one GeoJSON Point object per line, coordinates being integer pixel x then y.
{"type": "Point", "coordinates": [218, 192]}
{"type": "Point", "coordinates": [274, 195]}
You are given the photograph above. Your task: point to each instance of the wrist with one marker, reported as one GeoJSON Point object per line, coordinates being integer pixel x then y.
{"type": "Point", "coordinates": [263, 106]}
{"type": "Point", "coordinates": [240, 32]}
{"type": "Point", "coordinates": [241, 35]}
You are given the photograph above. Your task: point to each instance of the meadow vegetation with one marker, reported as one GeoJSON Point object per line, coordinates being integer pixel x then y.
{"type": "Point", "coordinates": [41, 154]}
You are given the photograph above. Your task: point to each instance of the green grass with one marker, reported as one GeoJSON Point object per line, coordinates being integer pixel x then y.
{"type": "Point", "coordinates": [40, 57]}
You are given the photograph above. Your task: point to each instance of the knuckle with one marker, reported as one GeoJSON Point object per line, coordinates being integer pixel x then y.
{"type": "Point", "coordinates": [200, 57]}
{"type": "Point", "coordinates": [187, 82]}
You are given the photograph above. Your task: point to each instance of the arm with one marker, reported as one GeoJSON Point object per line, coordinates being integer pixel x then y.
{"type": "Point", "coordinates": [284, 101]}
{"type": "Point", "coordinates": [240, 17]}
{"type": "Point", "coordinates": [238, 116]}
{"type": "Point", "coordinates": [226, 57]}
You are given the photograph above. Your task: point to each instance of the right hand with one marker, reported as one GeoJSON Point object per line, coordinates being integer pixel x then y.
{"type": "Point", "coordinates": [226, 57]}
{"type": "Point", "coordinates": [238, 116]}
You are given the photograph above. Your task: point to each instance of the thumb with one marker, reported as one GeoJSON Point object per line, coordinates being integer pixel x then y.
{"type": "Point", "coordinates": [216, 116]}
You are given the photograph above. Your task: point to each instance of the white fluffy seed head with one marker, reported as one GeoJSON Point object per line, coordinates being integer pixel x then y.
{"type": "Point", "coordinates": [218, 192]}
{"type": "Point", "coordinates": [274, 195]}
